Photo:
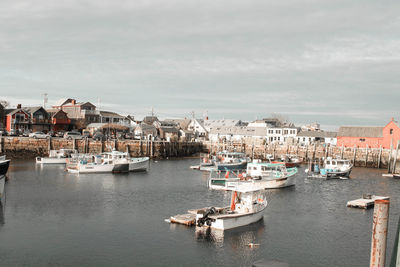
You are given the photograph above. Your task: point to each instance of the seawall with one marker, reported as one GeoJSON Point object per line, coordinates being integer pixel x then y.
{"type": "Point", "coordinates": [23, 147]}
{"type": "Point", "coordinates": [361, 157]}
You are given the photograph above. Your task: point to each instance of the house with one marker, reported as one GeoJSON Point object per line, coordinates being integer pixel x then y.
{"type": "Point", "coordinates": [186, 135]}
{"type": "Point", "coordinates": [150, 119]}
{"type": "Point", "coordinates": [39, 119]}
{"type": "Point", "coordinates": [253, 135]}
{"type": "Point", "coordinates": [373, 136]}
{"type": "Point", "coordinates": [111, 117]}
{"type": "Point", "coordinates": [59, 120]}
{"type": "Point", "coordinates": [145, 131]}
{"type": "Point", "coordinates": [168, 133]}
{"type": "Point", "coordinates": [17, 119]}
{"type": "Point", "coordinates": [281, 135]}
{"type": "Point", "coordinates": [197, 127]}
{"type": "Point", "coordinates": [80, 113]}
{"type": "Point", "coordinates": [266, 123]}
{"type": "Point", "coordinates": [360, 136]}
{"type": "Point", "coordinates": [180, 123]}
{"type": "Point", "coordinates": [213, 124]}
{"type": "Point", "coordinates": [2, 116]}
{"type": "Point", "coordinates": [311, 137]}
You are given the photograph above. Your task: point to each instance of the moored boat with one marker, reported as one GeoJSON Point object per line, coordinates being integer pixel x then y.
{"type": "Point", "coordinates": [331, 168]}
{"type": "Point", "coordinates": [4, 164]}
{"type": "Point", "coordinates": [247, 207]}
{"type": "Point", "coordinates": [135, 164]}
{"type": "Point", "coordinates": [96, 164]}
{"type": "Point", "coordinates": [57, 156]}
{"type": "Point", "coordinates": [231, 160]}
{"type": "Point", "coordinates": [262, 175]}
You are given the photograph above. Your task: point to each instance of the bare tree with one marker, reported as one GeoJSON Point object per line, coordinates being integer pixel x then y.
{"type": "Point", "coordinates": [283, 119]}
{"type": "Point", "coordinates": [4, 103]}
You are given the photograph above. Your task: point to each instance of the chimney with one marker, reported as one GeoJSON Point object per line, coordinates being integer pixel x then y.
{"type": "Point", "coordinates": [73, 101]}
{"type": "Point", "coordinates": [19, 106]}
{"type": "Point", "coordinates": [207, 118]}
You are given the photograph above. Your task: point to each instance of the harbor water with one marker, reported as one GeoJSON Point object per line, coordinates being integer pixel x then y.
{"type": "Point", "coordinates": [49, 217]}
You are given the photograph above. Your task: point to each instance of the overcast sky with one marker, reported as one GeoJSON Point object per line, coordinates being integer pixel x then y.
{"type": "Point", "coordinates": [334, 62]}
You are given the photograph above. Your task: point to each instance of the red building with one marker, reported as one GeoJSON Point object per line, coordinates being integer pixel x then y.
{"type": "Point", "coordinates": [17, 119]}
{"type": "Point", "coordinates": [59, 120]}
{"type": "Point", "coordinates": [374, 137]}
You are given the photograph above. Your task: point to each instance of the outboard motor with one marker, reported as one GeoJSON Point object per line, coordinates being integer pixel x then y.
{"type": "Point", "coordinates": [205, 219]}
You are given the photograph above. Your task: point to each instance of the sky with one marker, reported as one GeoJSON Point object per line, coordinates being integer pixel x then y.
{"type": "Point", "coordinates": [333, 62]}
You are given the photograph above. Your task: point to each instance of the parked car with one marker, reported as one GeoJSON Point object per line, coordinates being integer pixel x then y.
{"type": "Point", "coordinates": [59, 134]}
{"type": "Point", "coordinates": [72, 135]}
{"type": "Point", "coordinates": [98, 136]}
{"type": "Point", "coordinates": [13, 132]}
{"type": "Point", "coordinates": [39, 135]}
{"type": "Point", "coordinates": [51, 133]}
{"type": "Point", "coordinates": [3, 132]}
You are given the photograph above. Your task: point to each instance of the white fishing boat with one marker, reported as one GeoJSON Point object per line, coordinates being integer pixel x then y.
{"type": "Point", "coordinates": [261, 175]}
{"type": "Point", "coordinates": [4, 164]}
{"type": "Point", "coordinates": [96, 164]}
{"type": "Point", "coordinates": [331, 168]}
{"type": "Point", "coordinates": [57, 156]}
{"type": "Point", "coordinates": [247, 207]}
{"type": "Point", "coordinates": [135, 164]}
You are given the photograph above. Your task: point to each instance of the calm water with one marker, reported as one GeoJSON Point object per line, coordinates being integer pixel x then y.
{"type": "Point", "coordinates": [50, 217]}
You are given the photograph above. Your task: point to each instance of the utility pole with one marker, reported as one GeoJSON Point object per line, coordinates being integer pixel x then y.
{"type": "Point", "coordinates": [45, 99]}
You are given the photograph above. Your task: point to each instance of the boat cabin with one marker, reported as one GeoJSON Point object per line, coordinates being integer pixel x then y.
{"type": "Point", "coordinates": [230, 157]}
{"type": "Point", "coordinates": [265, 169]}
{"type": "Point", "coordinates": [336, 163]}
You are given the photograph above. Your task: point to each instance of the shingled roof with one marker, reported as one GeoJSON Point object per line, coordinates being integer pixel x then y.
{"type": "Point", "coordinates": [354, 131]}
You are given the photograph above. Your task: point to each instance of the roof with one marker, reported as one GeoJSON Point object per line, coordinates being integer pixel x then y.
{"type": "Point", "coordinates": [11, 111]}
{"type": "Point", "coordinates": [183, 123]}
{"type": "Point", "coordinates": [359, 131]}
{"type": "Point", "coordinates": [62, 101]}
{"type": "Point", "coordinates": [169, 129]}
{"type": "Point", "coordinates": [32, 110]}
{"type": "Point", "coordinates": [317, 134]}
{"type": "Point", "coordinates": [110, 114]}
{"type": "Point", "coordinates": [240, 130]}
{"type": "Point", "coordinates": [210, 124]}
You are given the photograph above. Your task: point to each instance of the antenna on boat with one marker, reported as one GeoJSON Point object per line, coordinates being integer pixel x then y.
{"type": "Point", "coordinates": [45, 99]}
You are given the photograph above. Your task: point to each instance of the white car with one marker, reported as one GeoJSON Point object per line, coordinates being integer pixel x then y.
{"type": "Point", "coordinates": [39, 135]}
{"type": "Point", "coordinates": [72, 135]}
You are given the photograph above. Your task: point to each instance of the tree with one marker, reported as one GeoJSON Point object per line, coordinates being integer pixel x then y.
{"type": "Point", "coordinates": [4, 103]}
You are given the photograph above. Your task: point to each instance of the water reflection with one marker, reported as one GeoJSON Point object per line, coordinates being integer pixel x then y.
{"type": "Point", "coordinates": [2, 221]}
{"type": "Point", "coordinates": [238, 238]}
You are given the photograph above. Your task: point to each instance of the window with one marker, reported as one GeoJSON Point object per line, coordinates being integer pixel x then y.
{"type": "Point", "coordinates": [391, 131]}
{"type": "Point", "coordinates": [285, 131]}
{"type": "Point", "coordinates": [362, 139]}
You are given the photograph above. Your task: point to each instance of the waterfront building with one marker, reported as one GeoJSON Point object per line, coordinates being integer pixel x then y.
{"type": "Point", "coordinates": [145, 131]}
{"type": "Point", "coordinates": [197, 127]}
{"type": "Point", "coordinates": [282, 135]}
{"type": "Point", "coordinates": [39, 119]}
{"type": "Point", "coordinates": [265, 123]}
{"type": "Point", "coordinates": [59, 120]}
{"type": "Point", "coordinates": [17, 119]}
{"type": "Point", "coordinates": [312, 137]}
{"type": "Point", "coordinates": [80, 113]}
{"type": "Point", "coordinates": [371, 136]}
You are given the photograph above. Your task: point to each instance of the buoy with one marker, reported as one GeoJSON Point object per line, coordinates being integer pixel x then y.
{"type": "Point", "coordinates": [252, 245]}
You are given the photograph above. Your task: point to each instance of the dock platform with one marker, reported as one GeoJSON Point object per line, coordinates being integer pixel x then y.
{"type": "Point", "coordinates": [365, 202]}
{"type": "Point", "coordinates": [185, 219]}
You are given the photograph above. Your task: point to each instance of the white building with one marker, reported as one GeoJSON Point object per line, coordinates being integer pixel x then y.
{"type": "Point", "coordinates": [197, 127]}
{"type": "Point", "coordinates": [311, 137]}
{"type": "Point", "coordinates": [282, 135]}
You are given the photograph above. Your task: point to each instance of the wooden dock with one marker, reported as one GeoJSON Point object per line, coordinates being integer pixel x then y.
{"type": "Point", "coordinates": [185, 219]}
{"type": "Point", "coordinates": [365, 202]}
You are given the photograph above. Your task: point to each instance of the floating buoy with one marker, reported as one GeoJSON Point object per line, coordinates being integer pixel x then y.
{"type": "Point", "coordinates": [252, 245]}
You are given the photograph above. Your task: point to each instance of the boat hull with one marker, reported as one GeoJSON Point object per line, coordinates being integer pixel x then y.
{"type": "Point", "coordinates": [280, 182]}
{"type": "Point", "coordinates": [40, 160]}
{"type": "Point", "coordinates": [230, 223]}
{"type": "Point", "coordinates": [138, 164]}
{"type": "Point", "coordinates": [4, 167]}
{"type": "Point", "coordinates": [93, 168]}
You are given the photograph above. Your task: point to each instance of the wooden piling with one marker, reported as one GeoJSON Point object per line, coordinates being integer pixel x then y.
{"type": "Point", "coordinates": [366, 155]}
{"type": "Point", "coordinates": [1, 144]}
{"type": "Point", "coordinates": [395, 157]}
{"type": "Point", "coordinates": [341, 152]}
{"type": "Point", "coordinates": [379, 233]}
{"type": "Point", "coordinates": [390, 155]}
{"type": "Point", "coordinates": [379, 156]}
{"type": "Point", "coordinates": [49, 145]}
{"type": "Point", "coordinates": [354, 155]}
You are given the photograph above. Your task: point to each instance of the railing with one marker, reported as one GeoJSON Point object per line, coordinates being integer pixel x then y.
{"type": "Point", "coordinates": [89, 112]}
